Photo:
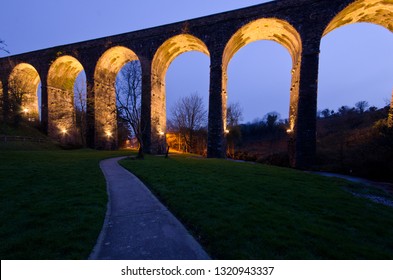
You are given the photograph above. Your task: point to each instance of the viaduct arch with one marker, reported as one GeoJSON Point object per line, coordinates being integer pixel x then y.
{"type": "Point", "coordinates": [298, 25]}
{"type": "Point", "coordinates": [272, 29]}
{"type": "Point", "coordinates": [108, 66]}
{"type": "Point", "coordinates": [23, 83]}
{"type": "Point", "coordinates": [60, 88]}
{"type": "Point", "coordinates": [164, 56]}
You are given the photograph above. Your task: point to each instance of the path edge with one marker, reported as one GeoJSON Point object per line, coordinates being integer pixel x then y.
{"type": "Point", "coordinates": [101, 237]}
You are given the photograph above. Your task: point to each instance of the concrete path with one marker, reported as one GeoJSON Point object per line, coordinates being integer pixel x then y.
{"type": "Point", "coordinates": [137, 226]}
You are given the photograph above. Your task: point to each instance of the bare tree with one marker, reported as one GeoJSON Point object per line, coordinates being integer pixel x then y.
{"type": "Point", "coordinates": [233, 133]}
{"type": "Point", "coordinates": [361, 106]}
{"type": "Point", "coordinates": [326, 113]}
{"type": "Point", "coordinates": [234, 114]}
{"type": "Point", "coordinates": [2, 117]}
{"type": "Point", "coordinates": [80, 108]}
{"type": "Point", "coordinates": [17, 94]}
{"type": "Point", "coordinates": [343, 110]}
{"type": "Point", "coordinates": [271, 120]}
{"type": "Point", "coordinates": [3, 46]}
{"type": "Point", "coordinates": [129, 99]}
{"type": "Point", "coordinates": [188, 117]}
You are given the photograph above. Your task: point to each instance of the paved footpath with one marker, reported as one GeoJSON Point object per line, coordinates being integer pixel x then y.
{"type": "Point", "coordinates": [137, 226]}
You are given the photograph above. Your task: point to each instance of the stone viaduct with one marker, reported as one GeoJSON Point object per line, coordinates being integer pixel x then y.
{"type": "Point", "coordinates": [298, 25]}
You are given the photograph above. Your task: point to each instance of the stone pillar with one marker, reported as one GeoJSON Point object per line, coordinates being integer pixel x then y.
{"type": "Point", "coordinates": [293, 111]}
{"type": "Point", "coordinates": [44, 105]}
{"type": "Point", "coordinates": [90, 111]}
{"type": "Point", "coordinates": [304, 134]}
{"type": "Point", "coordinates": [146, 105]}
{"type": "Point", "coordinates": [105, 114]}
{"type": "Point", "coordinates": [4, 102]}
{"type": "Point", "coordinates": [217, 103]}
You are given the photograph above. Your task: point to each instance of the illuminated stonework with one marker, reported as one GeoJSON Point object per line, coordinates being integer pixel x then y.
{"type": "Point", "coordinates": [108, 66]}
{"type": "Point", "coordinates": [164, 56]}
{"type": "Point", "coordinates": [372, 11]}
{"type": "Point", "coordinates": [267, 29]}
{"type": "Point", "coordinates": [23, 83]}
{"type": "Point", "coordinates": [61, 112]}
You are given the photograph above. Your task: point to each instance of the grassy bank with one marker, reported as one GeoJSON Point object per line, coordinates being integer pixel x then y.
{"type": "Point", "coordinates": [52, 202]}
{"type": "Point", "coordinates": [252, 211]}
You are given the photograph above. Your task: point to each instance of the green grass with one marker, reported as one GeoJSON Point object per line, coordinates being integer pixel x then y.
{"type": "Point", "coordinates": [24, 129]}
{"type": "Point", "coordinates": [252, 211]}
{"type": "Point", "coordinates": [52, 203]}
{"type": "Point", "coordinates": [27, 146]}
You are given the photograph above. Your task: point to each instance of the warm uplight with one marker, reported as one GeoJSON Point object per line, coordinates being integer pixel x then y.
{"type": "Point", "coordinates": [108, 134]}
{"type": "Point", "coordinates": [226, 131]}
{"type": "Point", "coordinates": [273, 29]}
{"type": "Point", "coordinates": [289, 130]}
{"type": "Point", "coordinates": [64, 131]}
{"type": "Point", "coordinates": [25, 110]}
{"type": "Point", "coordinates": [161, 133]}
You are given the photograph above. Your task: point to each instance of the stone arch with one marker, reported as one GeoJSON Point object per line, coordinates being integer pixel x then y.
{"type": "Point", "coordinates": [366, 11]}
{"type": "Point", "coordinates": [369, 11]}
{"type": "Point", "coordinates": [163, 57]}
{"type": "Point", "coordinates": [107, 68]}
{"type": "Point", "coordinates": [23, 84]}
{"type": "Point", "coordinates": [276, 30]}
{"type": "Point", "coordinates": [61, 111]}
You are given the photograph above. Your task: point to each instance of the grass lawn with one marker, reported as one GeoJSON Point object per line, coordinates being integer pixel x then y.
{"type": "Point", "coordinates": [52, 202]}
{"type": "Point", "coordinates": [252, 211]}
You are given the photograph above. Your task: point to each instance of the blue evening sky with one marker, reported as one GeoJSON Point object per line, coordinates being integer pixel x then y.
{"type": "Point", "coordinates": [356, 61]}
